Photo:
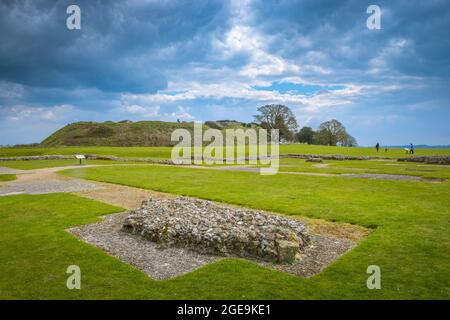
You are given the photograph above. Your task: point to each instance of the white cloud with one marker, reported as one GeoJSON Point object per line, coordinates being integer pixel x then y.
{"type": "Point", "coordinates": [395, 47]}
{"type": "Point", "coordinates": [134, 109]}
{"type": "Point", "coordinates": [55, 113]}
{"type": "Point", "coordinates": [11, 90]}
{"type": "Point", "coordinates": [182, 114]}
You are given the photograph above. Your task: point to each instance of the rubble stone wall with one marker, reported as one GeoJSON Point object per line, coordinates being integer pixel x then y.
{"type": "Point", "coordinates": [207, 227]}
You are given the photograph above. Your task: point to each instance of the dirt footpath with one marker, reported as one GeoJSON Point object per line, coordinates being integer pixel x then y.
{"type": "Point", "coordinates": [45, 180]}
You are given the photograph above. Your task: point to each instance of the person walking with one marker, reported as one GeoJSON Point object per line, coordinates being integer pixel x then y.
{"type": "Point", "coordinates": [377, 146]}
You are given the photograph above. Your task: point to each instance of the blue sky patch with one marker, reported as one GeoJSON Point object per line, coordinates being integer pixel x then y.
{"type": "Point", "coordinates": [296, 88]}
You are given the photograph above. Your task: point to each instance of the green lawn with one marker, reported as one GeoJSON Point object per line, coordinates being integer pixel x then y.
{"type": "Point", "coordinates": [136, 152]}
{"type": "Point", "coordinates": [367, 166]}
{"type": "Point", "coordinates": [412, 220]}
{"type": "Point", "coordinates": [36, 251]}
{"type": "Point", "coordinates": [165, 152]}
{"type": "Point", "coordinates": [286, 165]}
{"type": "Point", "coordinates": [38, 164]}
{"type": "Point", "coordinates": [357, 151]}
{"type": "Point", "coordinates": [7, 177]}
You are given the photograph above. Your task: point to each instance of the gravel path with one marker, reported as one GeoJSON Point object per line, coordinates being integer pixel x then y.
{"type": "Point", "coordinates": [383, 176]}
{"type": "Point", "coordinates": [41, 181]}
{"type": "Point", "coordinates": [163, 263]}
{"type": "Point", "coordinates": [4, 170]}
{"type": "Point", "coordinates": [46, 186]}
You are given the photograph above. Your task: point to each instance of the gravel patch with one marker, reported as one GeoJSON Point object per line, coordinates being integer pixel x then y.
{"type": "Point", "coordinates": [322, 251]}
{"type": "Point", "coordinates": [45, 180]}
{"type": "Point", "coordinates": [46, 186]}
{"type": "Point", "coordinates": [122, 196]}
{"type": "Point", "coordinates": [4, 170]}
{"type": "Point", "coordinates": [162, 262]}
{"type": "Point", "coordinates": [156, 261]}
{"type": "Point", "coordinates": [382, 176]}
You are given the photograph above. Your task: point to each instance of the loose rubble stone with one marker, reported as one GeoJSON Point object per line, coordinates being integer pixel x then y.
{"type": "Point", "coordinates": [330, 156]}
{"type": "Point", "coordinates": [313, 160]}
{"type": "Point", "coordinates": [207, 227]}
{"type": "Point", "coordinates": [46, 186]}
{"type": "Point", "coordinates": [428, 159]}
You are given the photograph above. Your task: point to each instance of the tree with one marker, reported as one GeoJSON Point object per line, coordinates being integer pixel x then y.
{"type": "Point", "coordinates": [321, 137]}
{"type": "Point", "coordinates": [269, 113]}
{"type": "Point", "coordinates": [349, 141]}
{"type": "Point", "coordinates": [332, 133]}
{"type": "Point", "coordinates": [305, 135]}
{"type": "Point", "coordinates": [277, 116]}
{"type": "Point", "coordinates": [284, 132]}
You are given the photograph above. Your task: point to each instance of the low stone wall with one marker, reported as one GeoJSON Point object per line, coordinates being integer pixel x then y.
{"type": "Point", "coordinates": [427, 159]}
{"type": "Point", "coordinates": [49, 157]}
{"type": "Point", "coordinates": [88, 156]}
{"type": "Point", "coordinates": [314, 160]}
{"type": "Point", "coordinates": [330, 157]}
{"type": "Point", "coordinates": [207, 227]}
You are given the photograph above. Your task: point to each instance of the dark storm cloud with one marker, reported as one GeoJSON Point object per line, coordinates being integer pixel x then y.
{"type": "Point", "coordinates": [210, 56]}
{"type": "Point", "coordinates": [338, 29]}
{"type": "Point", "coordinates": [116, 49]}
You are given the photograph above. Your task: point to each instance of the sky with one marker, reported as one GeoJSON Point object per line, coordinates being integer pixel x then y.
{"type": "Point", "coordinates": [210, 60]}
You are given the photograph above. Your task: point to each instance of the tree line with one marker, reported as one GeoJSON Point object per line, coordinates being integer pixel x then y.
{"type": "Point", "coordinates": [278, 116]}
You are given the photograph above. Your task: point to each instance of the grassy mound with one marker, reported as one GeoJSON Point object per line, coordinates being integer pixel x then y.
{"type": "Point", "coordinates": [124, 133]}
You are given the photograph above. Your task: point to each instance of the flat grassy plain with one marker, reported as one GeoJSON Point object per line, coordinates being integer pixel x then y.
{"type": "Point", "coordinates": [39, 164]}
{"type": "Point", "coordinates": [410, 238]}
{"type": "Point", "coordinates": [410, 222]}
{"type": "Point", "coordinates": [286, 165]}
{"type": "Point", "coordinates": [132, 152]}
{"type": "Point", "coordinates": [366, 166]}
{"type": "Point", "coordinates": [165, 152]}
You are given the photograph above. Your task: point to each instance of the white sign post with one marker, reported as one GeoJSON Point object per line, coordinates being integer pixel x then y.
{"type": "Point", "coordinates": [80, 157]}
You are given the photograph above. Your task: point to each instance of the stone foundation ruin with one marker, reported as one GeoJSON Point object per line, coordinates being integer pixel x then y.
{"type": "Point", "coordinates": [207, 227]}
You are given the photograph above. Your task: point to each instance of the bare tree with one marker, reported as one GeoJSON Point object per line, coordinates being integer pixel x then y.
{"type": "Point", "coordinates": [349, 141]}
{"type": "Point", "coordinates": [333, 132]}
{"type": "Point", "coordinates": [277, 116]}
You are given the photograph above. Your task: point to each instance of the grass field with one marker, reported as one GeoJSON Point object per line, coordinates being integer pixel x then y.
{"type": "Point", "coordinates": [38, 164]}
{"type": "Point", "coordinates": [137, 152]}
{"type": "Point", "coordinates": [357, 151]}
{"type": "Point", "coordinates": [410, 223]}
{"type": "Point", "coordinates": [33, 263]}
{"type": "Point", "coordinates": [286, 165]}
{"type": "Point", "coordinates": [367, 166]}
{"type": "Point", "coordinates": [165, 152]}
